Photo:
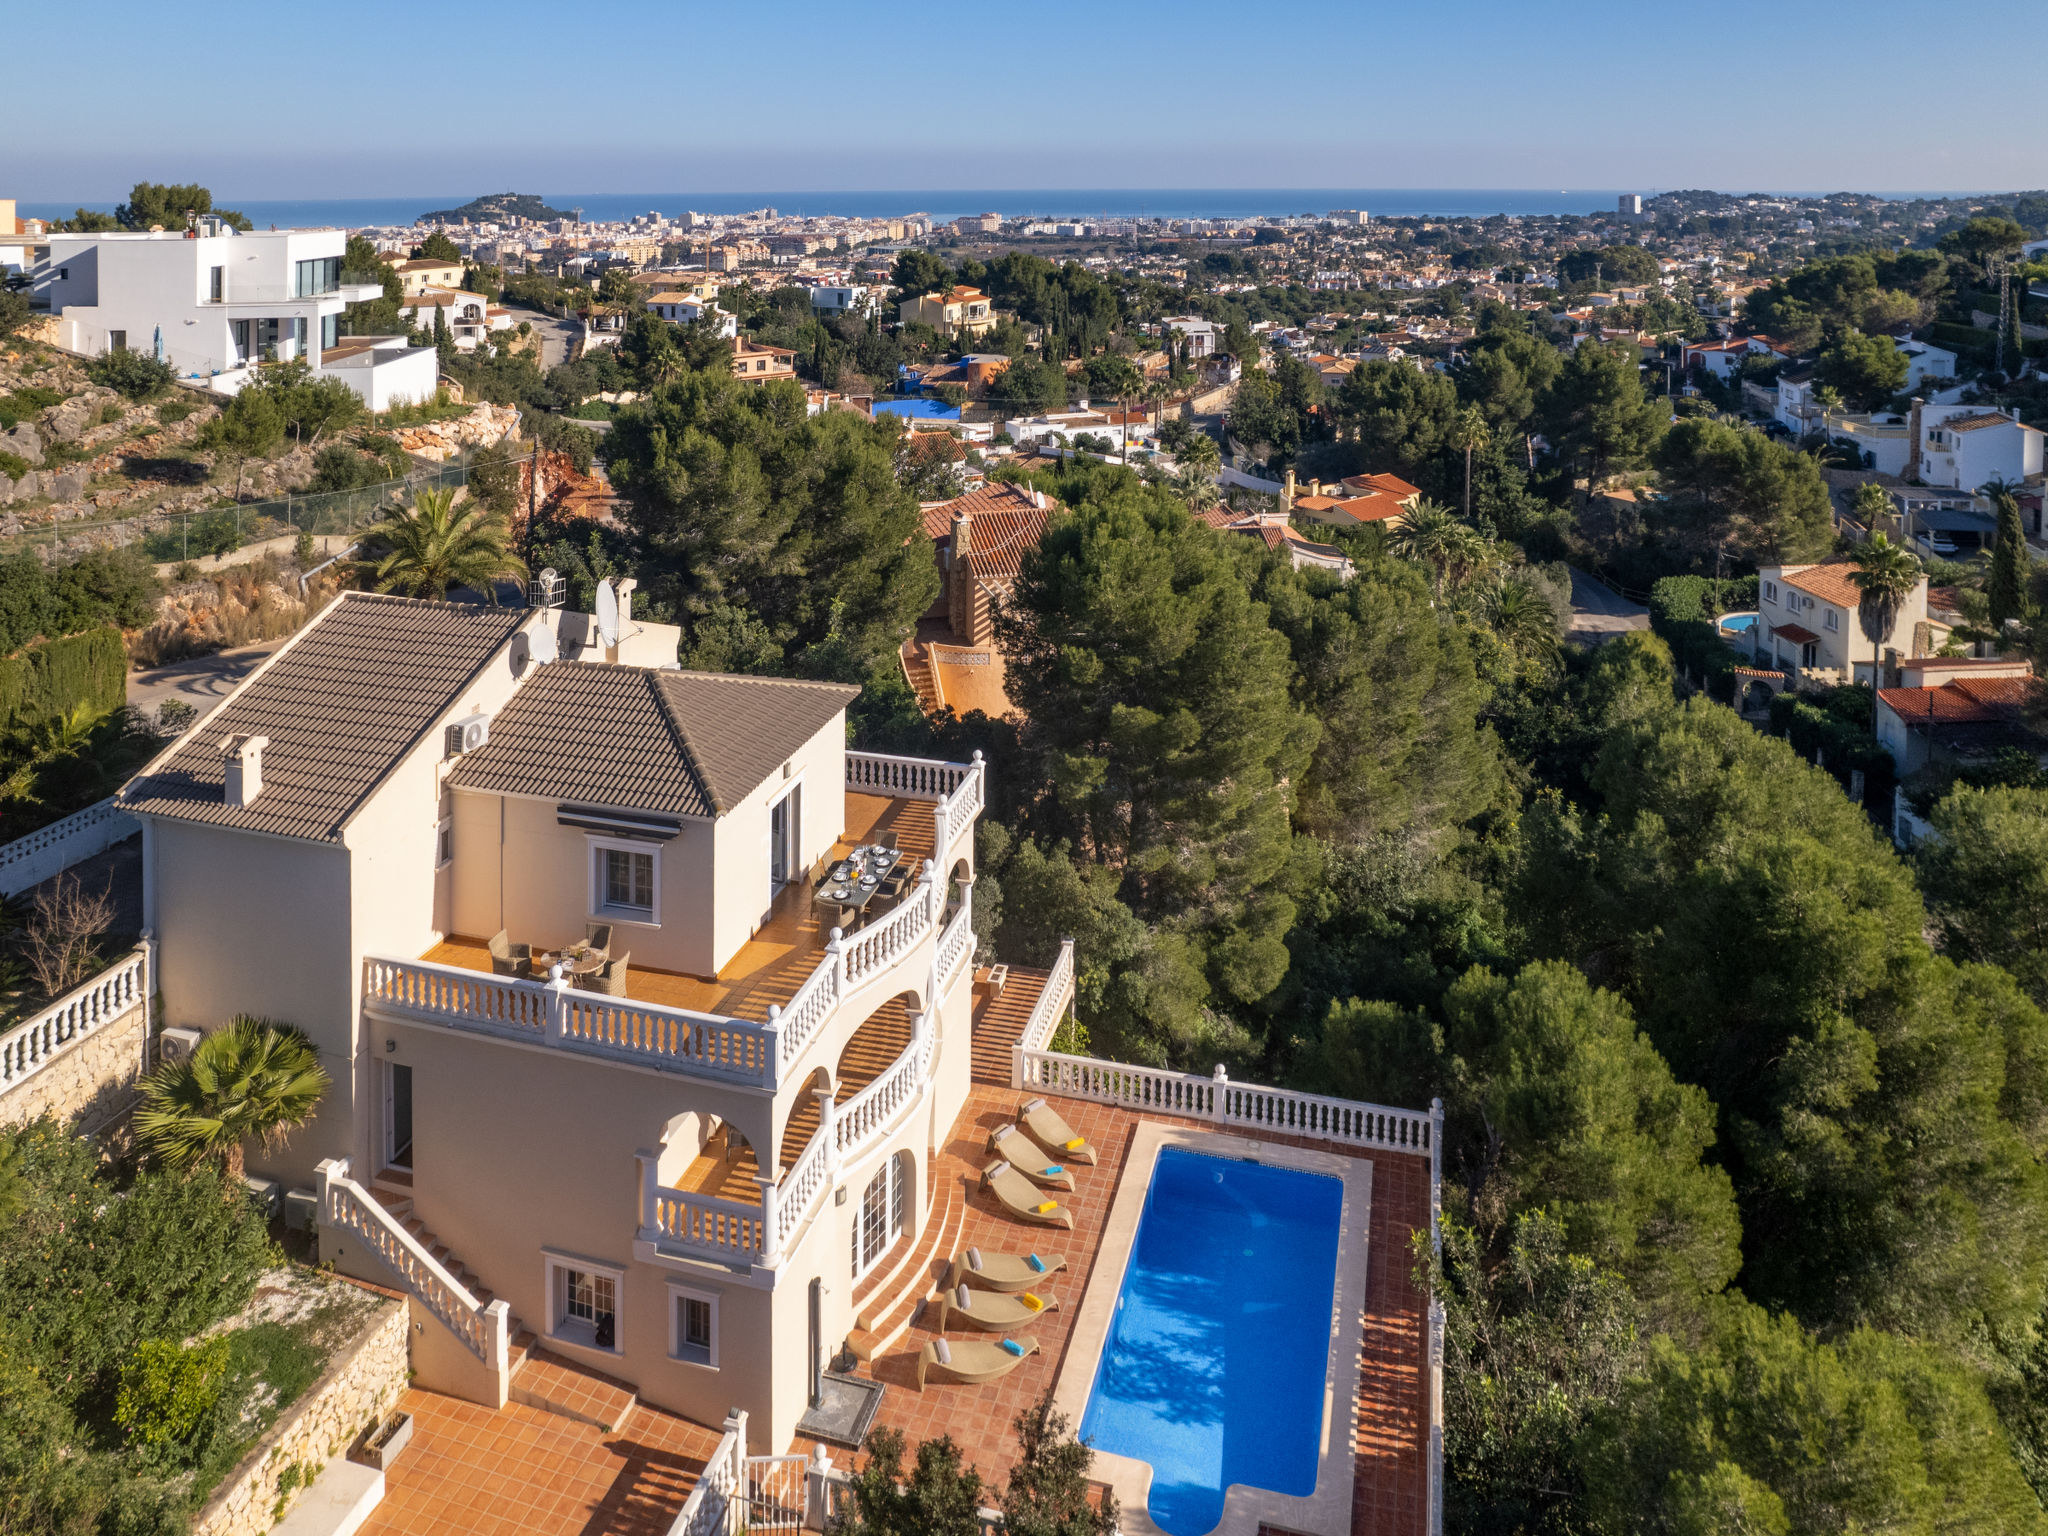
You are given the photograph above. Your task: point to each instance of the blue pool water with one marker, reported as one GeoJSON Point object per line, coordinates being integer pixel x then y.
{"type": "Point", "coordinates": [1214, 1366]}
{"type": "Point", "coordinates": [1738, 621]}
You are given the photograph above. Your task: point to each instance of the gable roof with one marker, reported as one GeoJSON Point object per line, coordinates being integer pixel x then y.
{"type": "Point", "coordinates": [1960, 701]}
{"type": "Point", "coordinates": [1004, 521]}
{"type": "Point", "coordinates": [1385, 484]}
{"type": "Point", "coordinates": [645, 739]}
{"type": "Point", "coordinates": [1829, 581]}
{"type": "Point", "coordinates": [341, 705]}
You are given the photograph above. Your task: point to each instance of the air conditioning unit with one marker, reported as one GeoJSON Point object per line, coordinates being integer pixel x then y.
{"type": "Point", "coordinates": [468, 734]}
{"type": "Point", "coordinates": [177, 1044]}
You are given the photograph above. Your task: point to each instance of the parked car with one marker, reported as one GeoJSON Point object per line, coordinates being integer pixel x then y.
{"type": "Point", "coordinates": [1935, 542]}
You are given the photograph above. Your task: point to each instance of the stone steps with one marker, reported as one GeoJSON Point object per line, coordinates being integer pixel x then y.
{"type": "Point", "coordinates": [886, 1314]}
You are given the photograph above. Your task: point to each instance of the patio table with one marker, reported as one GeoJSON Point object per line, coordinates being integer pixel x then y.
{"type": "Point", "coordinates": [852, 882]}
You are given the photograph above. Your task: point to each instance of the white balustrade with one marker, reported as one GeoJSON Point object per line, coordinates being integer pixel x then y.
{"type": "Point", "coordinates": [956, 943]}
{"type": "Point", "coordinates": [1243, 1106]}
{"type": "Point", "coordinates": [903, 778]}
{"type": "Point", "coordinates": [724, 1229]}
{"type": "Point", "coordinates": [346, 1206]}
{"type": "Point", "coordinates": [862, 1119]}
{"type": "Point", "coordinates": [956, 813]}
{"type": "Point", "coordinates": [716, 1506]}
{"type": "Point", "coordinates": [589, 1023]}
{"type": "Point", "coordinates": [34, 1043]}
{"type": "Point", "coordinates": [1054, 999]}
{"type": "Point", "coordinates": [878, 946]}
{"type": "Point", "coordinates": [51, 850]}
{"type": "Point", "coordinates": [802, 1187]}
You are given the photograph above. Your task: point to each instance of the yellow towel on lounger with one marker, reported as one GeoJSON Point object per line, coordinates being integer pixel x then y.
{"type": "Point", "coordinates": [1077, 1143]}
{"type": "Point", "coordinates": [1047, 1205]}
{"type": "Point", "coordinates": [1035, 1303]}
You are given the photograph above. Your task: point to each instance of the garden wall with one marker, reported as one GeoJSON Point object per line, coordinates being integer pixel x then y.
{"type": "Point", "coordinates": [360, 1387]}
{"type": "Point", "coordinates": [77, 1060]}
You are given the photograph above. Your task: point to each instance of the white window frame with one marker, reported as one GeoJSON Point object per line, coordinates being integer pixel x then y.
{"type": "Point", "coordinates": [601, 910]}
{"type": "Point", "coordinates": [1833, 620]}
{"type": "Point", "coordinates": [444, 842]}
{"type": "Point", "coordinates": [1770, 591]}
{"type": "Point", "coordinates": [577, 1334]}
{"type": "Point", "coordinates": [677, 1295]}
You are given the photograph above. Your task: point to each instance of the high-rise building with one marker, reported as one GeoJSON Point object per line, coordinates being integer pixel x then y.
{"type": "Point", "coordinates": [1631, 202]}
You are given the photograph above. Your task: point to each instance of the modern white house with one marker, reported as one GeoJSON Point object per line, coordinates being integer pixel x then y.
{"type": "Point", "coordinates": [688, 309]}
{"type": "Point", "coordinates": [842, 299]}
{"type": "Point", "coordinates": [1963, 446]}
{"type": "Point", "coordinates": [212, 302]}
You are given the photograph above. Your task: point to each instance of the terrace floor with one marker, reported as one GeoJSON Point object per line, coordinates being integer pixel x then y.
{"type": "Point", "coordinates": [780, 956]}
{"type": "Point", "coordinates": [527, 1472]}
{"type": "Point", "coordinates": [1389, 1436]}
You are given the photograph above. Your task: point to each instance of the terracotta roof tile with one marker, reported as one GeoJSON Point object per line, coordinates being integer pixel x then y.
{"type": "Point", "coordinates": [644, 739]}
{"type": "Point", "coordinates": [341, 705]}
{"type": "Point", "coordinates": [1829, 581]}
{"type": "Point", "coordinates": [1798, 633]}
{"type": "Point", "coordinates": [1962, 701]}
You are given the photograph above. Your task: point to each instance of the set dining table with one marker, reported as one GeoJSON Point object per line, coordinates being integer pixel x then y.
{"type": "Point", "coordinates": [851, 884]}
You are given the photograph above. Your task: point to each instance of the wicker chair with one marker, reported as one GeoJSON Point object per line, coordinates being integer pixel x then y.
{"type": "Point", "coordinates": [600, 937]}
{"type": "Point", "coordinates": [509, 959]}
{"type": "Point", "coordinates": [609, 978]}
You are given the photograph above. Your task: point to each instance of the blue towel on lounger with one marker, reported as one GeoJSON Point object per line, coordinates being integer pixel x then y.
{"type": "Point", "coordinates": [1035, 1262]}
{"type": "Point", "coordinates": [1013, 1347]}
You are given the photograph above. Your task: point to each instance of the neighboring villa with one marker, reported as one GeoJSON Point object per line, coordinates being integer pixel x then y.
{"type": "Point", "coordinates": [755, 362]}
{"type": "Point", "coordinates": [1353, 501]}
{"type": "Point", "coordinates": [1956, 709]}
{"type": "Point", "coordinates": [979, 540]}
{"type": "Point", "coordinates": [1807, 624]}
{"type": "Point", "coordinates": [956, 312]}
{"type": "Point", "coordinates": [668, 1081]}
{"type": "Point", "coordinates": [217, 304]}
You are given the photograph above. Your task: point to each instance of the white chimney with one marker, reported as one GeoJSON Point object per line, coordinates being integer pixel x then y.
{"type": "Point", "coordinates": [244, 756]}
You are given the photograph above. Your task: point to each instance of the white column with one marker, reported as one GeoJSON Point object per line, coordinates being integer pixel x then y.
{"type": "Point", "coordinates": [771, 1241]}
{"type": "Point", "coordinates": [828, 1126]}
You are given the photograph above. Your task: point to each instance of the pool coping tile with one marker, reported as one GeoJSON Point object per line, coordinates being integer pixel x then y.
{"type": "Point", "coordinates": [1328, 1510]}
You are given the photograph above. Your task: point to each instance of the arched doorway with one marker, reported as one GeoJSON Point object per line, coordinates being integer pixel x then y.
{"type": "Point", "coordinates": [884, 1212]}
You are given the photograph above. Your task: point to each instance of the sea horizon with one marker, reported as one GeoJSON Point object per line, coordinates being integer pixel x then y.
{"type": "Point", "coordinates": [945, 205]}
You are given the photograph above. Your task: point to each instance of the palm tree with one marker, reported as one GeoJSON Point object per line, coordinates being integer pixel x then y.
{"type": "Point", "coordinates": [1427, 535]}
{"type": "Point", "coordinates": [250, 1079]}
{"type": "Point", "coordinates": [1886, 574]}
{"type": "Point", "coordinates": [1195, 488]}
{"type": "Point", "coordinates": [433, 547]}
{"type": "Point", "coordinates": [1522, 617]}
{"type": "Point", "coordinates": [1469, 432]}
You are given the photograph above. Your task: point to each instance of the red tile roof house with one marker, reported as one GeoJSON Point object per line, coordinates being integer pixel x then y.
{"type": "Point", "coordinates": [665, 1076]}
{"type": "Point", "coordinates": [1956, 709]}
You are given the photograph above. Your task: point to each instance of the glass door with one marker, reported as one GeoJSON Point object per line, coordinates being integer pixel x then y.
{"type": "Point", "coordinates": [397, 1115]}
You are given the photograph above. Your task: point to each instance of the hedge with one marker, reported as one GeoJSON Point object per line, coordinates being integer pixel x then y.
{"type": "Point", "coordinates": [1835, 726]}
{"type": "Point", "coordinates": [49, 679]}
{"type": "Point", "coordinates": [1981, 346]}
{"type": "Point", "coordinates": [1682, 612]}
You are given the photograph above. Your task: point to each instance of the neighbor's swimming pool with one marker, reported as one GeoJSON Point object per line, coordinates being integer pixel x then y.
{"type": "Point", "coordinates": [1738, 621]}
{"type": "Point", "coordinates": [1214, 1367]}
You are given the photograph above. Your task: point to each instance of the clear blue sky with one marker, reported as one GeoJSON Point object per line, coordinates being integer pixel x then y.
{"type": "Point", "coordinates": [366, 98]}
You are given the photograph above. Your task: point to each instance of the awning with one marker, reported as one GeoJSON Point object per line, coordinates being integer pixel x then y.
{"type": "Point", "coordinates": [654, 829]}
{"type": "Point", "coordinates": [1795, 632]}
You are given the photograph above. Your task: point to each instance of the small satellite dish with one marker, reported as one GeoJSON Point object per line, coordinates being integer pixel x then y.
{"type": "Point", "coordinates": [607, 613]}
{"type": "Point", "coordinates": [543, 644]}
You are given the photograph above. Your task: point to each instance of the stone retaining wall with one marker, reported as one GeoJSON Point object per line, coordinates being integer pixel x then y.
{"type": "Point", "coordinates": [89, 1084]}
{"type": "Point", "coordinates": [361, 1386]}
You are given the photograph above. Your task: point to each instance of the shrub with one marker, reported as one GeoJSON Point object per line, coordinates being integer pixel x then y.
{"type": "Point", "coordinates": [168, 1391]}
{"type": "Point", "coordinates": [13, 465]}
{"type": "Point", "coordinates": [50, 680]}
{"type": "Point", "coordinates": [338, 467]}
{"type": "Point", "coordinates": [174, 716]}
{"type": "Point", "coordinates": [137, 375]}
{"type": "Point", "coordinates": [171, 412]}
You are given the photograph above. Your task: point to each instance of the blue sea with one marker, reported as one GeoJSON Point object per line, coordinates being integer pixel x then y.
{"type": "Point", "coordinates": [1203, 203]}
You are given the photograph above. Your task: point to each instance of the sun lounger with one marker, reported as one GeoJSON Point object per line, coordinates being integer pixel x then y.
{"type": "Point", "coordinates": [1002, 1271]}
{"type": "Point", "coordinates": [1046, 1128]}
{"type": "Point", "coordinates": [1023, 1199]}
{"type": "Point", "coordinates": [1006, 1141]}
{"type": "Point", "coordinates": [971, 1361]}
{"type": "Point", "coordinates": [992, 1311]}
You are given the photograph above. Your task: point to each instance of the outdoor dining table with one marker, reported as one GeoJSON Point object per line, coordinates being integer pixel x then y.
{"type": "Point", "coordinates": [851, 883]}
{"type": "Point", "coordinates": [581, 961]}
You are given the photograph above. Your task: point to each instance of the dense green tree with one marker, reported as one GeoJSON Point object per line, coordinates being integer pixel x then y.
{"type": "Point", "coordinates": [941, 1494]}
{"type": "Point", "coordinates": [1535, 1345]}
{"type": "Point", "coordinates": [1160, 720]}
{"type": "Point", "coordinates": [1030, 386]}
{"type": "Point", "coordinates": [1596, 416]}
{"type": "Point", "coordinates": [1866, 370]}
{"type": "Point", "coordinates": [171, 207]}
{"type": "Point", "coordinates": [1769, 1429]}
{"type": "Point", "coordinates": [1883, 1108]}
{"type": "Point", "coordinates": [1558, 1104]}
{"type": "Point", "coordinates": [743, 498]}
{"type": "Point", "coordinates": [1506, 374]}
{"type": "Point", "coordinates": [1874, 292]}
{"type": "Point", "coordinates": [918, 272]}
{"type": "Point", "coordinates": [1400, 416]}
{"type": "Point", "coordinates": [1047, 1490]}
{"type": "Point", "coordinates": [1401, 752]}
{"type": "Point", "coordinates": [1987, 239]}
{"type": "Point", "coordinates": [1986, 878]}
{"type": "Point", "coordinates": [437, 247]}
{"type": "Point", "coordinates": [1730, 485]}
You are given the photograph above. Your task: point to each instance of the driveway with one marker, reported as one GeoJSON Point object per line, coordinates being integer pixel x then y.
{"type": "Point", "coordinates": [556, 336]}
{"type": "Point", "coordinates": [201, 681]}
{"type": "Point", "coordinates": [1598, 611]}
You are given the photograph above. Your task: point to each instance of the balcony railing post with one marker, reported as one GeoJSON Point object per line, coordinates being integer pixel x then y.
{"type": "Point", "coordinates": [835, 948]}
{"type": "Point", "coordinates": [650, 1183]}
{"type": "Point", "coordinates": [1219, 1091]}
{"type": "Point", "coordinates": [828, 1126]}
{"type": "Point", "coordinates": [558, 1005]}
{"type": "Point", "coordinates": [771, 1237]}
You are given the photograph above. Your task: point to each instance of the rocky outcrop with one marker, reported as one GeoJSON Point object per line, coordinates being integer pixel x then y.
{"type": "Point", "coordinates": [439, 440]}
{"type": "Point", "coordinates": [23, 442]}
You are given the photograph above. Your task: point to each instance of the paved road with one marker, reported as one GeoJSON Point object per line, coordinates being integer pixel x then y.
{"type": "Point", "coordinates": [201, 681]}
{"type": "Point", "coordinates": [556, 336]}
{"type": "Point", "coordinates": [1599, 611]}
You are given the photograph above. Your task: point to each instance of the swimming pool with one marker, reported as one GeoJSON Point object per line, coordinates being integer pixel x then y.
{"type": "Point", "coordinates": [1738, 621]}
{"type": "Point", "coordinates": [1216, 1359]}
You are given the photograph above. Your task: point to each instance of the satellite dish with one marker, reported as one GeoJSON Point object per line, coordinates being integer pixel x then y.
{"type": "Point", "coordinates": [607, 613]}
{"type": "Point", "coordinates": [543, 644]}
